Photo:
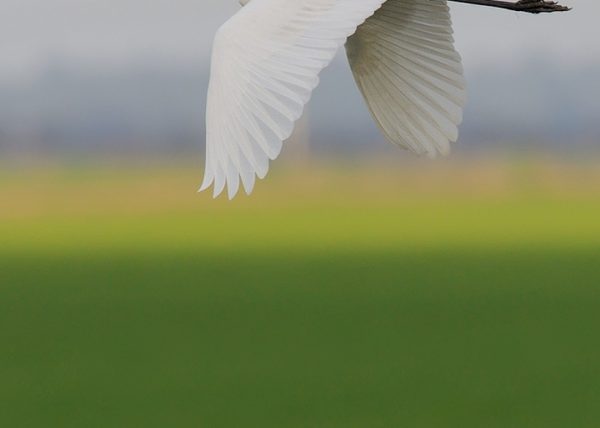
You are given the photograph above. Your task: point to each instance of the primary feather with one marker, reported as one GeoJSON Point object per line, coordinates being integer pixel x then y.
{"type": "Point", "coordinates": [404, 62]}
{"type": "Point", "coordinates": [267, 59]}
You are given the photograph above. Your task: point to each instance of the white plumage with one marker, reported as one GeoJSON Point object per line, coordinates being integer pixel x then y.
{"type": "Point", "coordinates": [267, 59]}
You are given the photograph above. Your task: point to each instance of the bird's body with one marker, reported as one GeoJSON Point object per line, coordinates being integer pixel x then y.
{"type": "Point", "coordinates": [267, 59]}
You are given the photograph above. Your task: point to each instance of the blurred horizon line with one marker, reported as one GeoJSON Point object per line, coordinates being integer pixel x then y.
{"type": "Point", "coordinates": [161, 108]}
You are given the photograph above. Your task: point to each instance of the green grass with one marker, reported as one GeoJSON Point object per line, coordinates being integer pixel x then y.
{"type": "Point", "coordinates": [127, 301]}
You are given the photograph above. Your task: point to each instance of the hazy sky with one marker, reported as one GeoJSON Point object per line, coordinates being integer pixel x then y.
{"type": "Point", "coordinates": [110, 33]}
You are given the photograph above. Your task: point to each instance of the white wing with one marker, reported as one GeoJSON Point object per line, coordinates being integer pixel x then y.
{"type": "Point", "coordinates": [410, 75]}
{"type": "Point", "coordinates": [266, 61]}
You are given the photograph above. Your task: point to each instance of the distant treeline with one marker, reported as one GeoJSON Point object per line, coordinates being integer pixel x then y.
{"type": "Point", "coordinates": [157, 107]}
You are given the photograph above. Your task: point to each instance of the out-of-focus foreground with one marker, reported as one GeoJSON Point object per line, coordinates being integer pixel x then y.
{"type": "Point", "coordinates": [456, 293]}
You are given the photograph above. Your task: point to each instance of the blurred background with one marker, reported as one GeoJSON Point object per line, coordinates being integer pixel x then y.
{"type": "Point", "coordinates": [358, 286]}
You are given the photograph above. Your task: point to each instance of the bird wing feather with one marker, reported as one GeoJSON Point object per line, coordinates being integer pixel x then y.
{"type": "Point", "coordinates": [404, 62]}
{"type": "Point", "coordinates": [265, 64]}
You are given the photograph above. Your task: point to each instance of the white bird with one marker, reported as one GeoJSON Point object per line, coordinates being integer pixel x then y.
{"type": "Point", "coordinates": [266, 62]}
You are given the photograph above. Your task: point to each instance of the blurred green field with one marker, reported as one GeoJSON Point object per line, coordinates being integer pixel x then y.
{"type": "Point", "coordinates": [433, 294]}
